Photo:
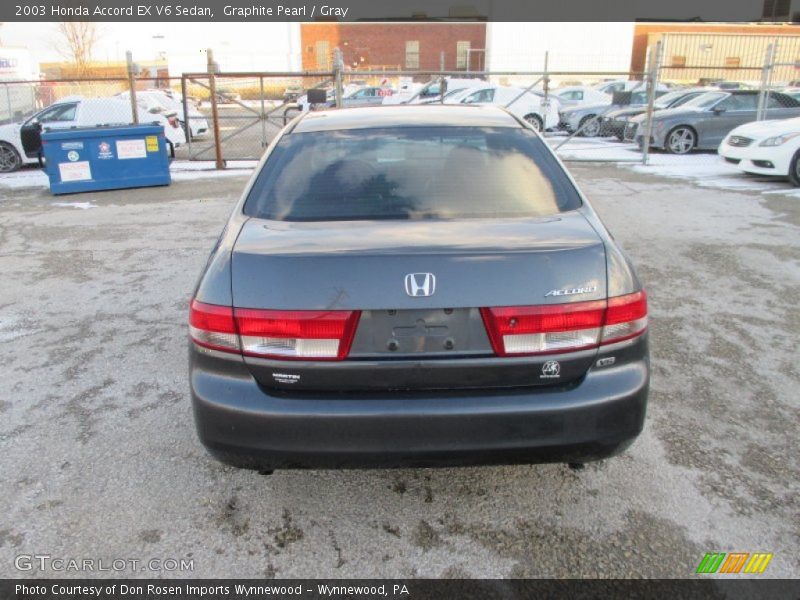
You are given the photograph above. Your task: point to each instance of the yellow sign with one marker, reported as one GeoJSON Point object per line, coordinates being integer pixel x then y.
{"type": "Point", "coordinates": [152, 143]}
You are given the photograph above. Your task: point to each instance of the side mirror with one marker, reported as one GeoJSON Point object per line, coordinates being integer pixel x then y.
{"type": "Point", "coordinates": [717, 110]}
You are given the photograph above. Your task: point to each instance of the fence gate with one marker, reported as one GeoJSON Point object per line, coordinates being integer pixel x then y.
{"type": "Point", "coordinates": [234, 116]}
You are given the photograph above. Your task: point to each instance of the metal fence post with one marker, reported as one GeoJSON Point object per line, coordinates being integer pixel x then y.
{"type": "Point", "coordinates": [132, 86]}
{"type": "Point", "coordinates": [766, 75]}
{"type": "Point", "coordinates": [546, 81]}
{"type": "Point", "coordinates": [263, 114]}
{"type": "Point", "coordinates": [212, 88]}
{"type": "Point", "coordinates": [186, 126]}
{"type": "Point", "coordinates": [654, 60]}
{"type": "Point", "coordinates": [338, 67]}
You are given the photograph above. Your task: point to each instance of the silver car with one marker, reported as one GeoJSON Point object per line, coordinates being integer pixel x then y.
{"type": "Point", "coordinates": [702, 123]}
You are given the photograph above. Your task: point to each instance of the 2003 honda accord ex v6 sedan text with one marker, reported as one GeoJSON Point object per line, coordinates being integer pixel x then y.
{"type": "Point", "coordinates": [415, 285]}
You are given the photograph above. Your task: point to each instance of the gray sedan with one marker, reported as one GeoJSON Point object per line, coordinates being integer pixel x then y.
{"type": "Point", "coordinates": [419, 286]}
{"type": "Point", "coordinates": [702, 123]}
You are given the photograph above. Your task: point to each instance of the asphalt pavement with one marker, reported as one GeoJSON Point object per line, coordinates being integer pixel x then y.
{"type": "Point", "coordinates": [100, 458]}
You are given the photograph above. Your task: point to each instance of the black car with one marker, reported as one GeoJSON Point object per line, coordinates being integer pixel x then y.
{"type": "Point", "coordinates": [416, 285]}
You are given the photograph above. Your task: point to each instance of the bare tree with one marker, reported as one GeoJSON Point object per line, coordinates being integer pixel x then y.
{"type": "Point", "coordinates": [76, 43]}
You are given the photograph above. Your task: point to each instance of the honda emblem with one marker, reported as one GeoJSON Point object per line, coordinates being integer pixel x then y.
{"type": "Point", "coordinates": [420, 284]}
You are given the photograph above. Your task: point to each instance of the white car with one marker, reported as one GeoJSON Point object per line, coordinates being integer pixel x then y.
{"type": "Point", "coordinates": [172, 103]}
{"type": "Point", "coordinates": [430, 93]}
{"type": "Point", "coordinates": [765, 148]}
{"type": "Point", "coordinates": [575, 95]}
{"type": "Point", "coordinates": [527, 105]}
{"type": "Point", "coordinates": [21, 143]}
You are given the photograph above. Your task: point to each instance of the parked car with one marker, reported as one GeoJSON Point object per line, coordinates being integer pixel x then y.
{"type": "Point", "coordinates": [765, 148]}
{"type": "Point", "coordinates": [176, 96]}
{"type": "Point", "coordinates": [431, 92]}
{"type": "Point", "coordinates": [722, 84]}
{"type": "Point", "coordinates": [198, 124]}
{"type": "Point", "coordinates": [794, 92]}
{"type": "Point", "coordinates": [702, 123]}
{"type": "Point", "coordinates": [615, 122]}
{"type": "Point", "coordinates": [587, 118]}
{"type": "Point", "coordinates": [460, 302]}
{"type": "Point", "coordinates": [292, 93]}
{"type": "Point", "coordinates": [156, 102]}
{"type": "Point", "coordinates": [576, 95]}
{"type": "Point", "coordinates": [527, 105]}
{"type": "Point", "coordinates": [625, 85]}
{"type": "Point", "coordinates": [367, 96]}
{"type": "Point", "coordinates": [21, 143]}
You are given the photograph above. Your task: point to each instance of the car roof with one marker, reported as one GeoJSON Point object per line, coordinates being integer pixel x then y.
{"type": "Point", "coordinates": [413, 115]}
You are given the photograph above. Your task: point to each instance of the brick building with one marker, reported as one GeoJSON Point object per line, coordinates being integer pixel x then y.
{"type": "Point", "coordinates": [410, 46]}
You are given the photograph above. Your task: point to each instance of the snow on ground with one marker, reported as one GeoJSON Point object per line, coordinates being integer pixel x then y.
{"type": "Point", "coordinates": [81, 205]}
{"type": "Point", "coordinates": [706, 169]}
{"type": "Point", "coordinates": [179, 169]}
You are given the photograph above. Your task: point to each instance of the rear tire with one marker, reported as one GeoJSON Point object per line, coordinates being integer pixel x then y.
{"type": "Point", "coordinates": [10, 159]}
{"type": "Point", "coordinates": [794, 169]}
{"type": "Point", "coordinates": [535, 121]}
{"type": "Point", "coordinates": [589, 126]}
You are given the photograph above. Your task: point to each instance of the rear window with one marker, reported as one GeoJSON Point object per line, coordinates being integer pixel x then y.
{"type": "Point", "coordinates": [410, 173]}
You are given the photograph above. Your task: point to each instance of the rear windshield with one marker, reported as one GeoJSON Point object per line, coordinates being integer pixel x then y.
{"type": "Point", "coordinates": [410, 173]}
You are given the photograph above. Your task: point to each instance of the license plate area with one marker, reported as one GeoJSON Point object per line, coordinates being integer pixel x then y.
{"type": "Point", "coordinates": [429, 332]}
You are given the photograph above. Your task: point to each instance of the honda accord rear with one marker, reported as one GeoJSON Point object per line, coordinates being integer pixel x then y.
{"type": "Point", "coordinates": [415, 286]}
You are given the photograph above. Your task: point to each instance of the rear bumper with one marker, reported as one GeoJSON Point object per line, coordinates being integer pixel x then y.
{"type": "Point", "coordinates": [244, 424]}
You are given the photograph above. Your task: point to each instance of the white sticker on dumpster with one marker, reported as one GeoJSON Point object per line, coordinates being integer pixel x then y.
{"type": "Point", "coordinates": [75, 171]}
{"type": "Point", "coordinates": [131, 149]}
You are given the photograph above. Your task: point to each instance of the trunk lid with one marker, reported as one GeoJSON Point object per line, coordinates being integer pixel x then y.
{"type": "Point", "coordinates": [363, 266]}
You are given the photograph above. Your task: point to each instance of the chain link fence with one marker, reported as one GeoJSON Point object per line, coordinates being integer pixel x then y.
{"type": "Point", "coordinates": [586, 115]}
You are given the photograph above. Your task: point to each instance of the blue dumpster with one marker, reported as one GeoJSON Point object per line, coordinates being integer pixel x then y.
{"type": "Point", "coordinates": [105, 158]}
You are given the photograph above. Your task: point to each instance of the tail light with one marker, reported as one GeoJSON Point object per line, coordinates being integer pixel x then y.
{"type": "Point", "coordinates": [626, 317]}
{"type": "Point", "coordinates": [212, 326]}
{"type": "Point", "coordinates": [173, 120]}
{"type": "Point", "coordinates": [284, 334]}
{"type": "Point", "coordinates": [555, 328]}
{"type": "Point", "coordinates": [314, 334]}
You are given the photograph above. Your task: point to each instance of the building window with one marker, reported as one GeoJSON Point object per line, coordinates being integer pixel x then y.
{"type": "Point", "coordinates": [462, 55]}
{"type": "Point", "coordinates": [412, 54]}
{"type": "Point", "coordinates": [732, 61]}
{"type": "Point", "coordinates": [322, 57]}
{"type": "Point", "coordinates": [678, 61]}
